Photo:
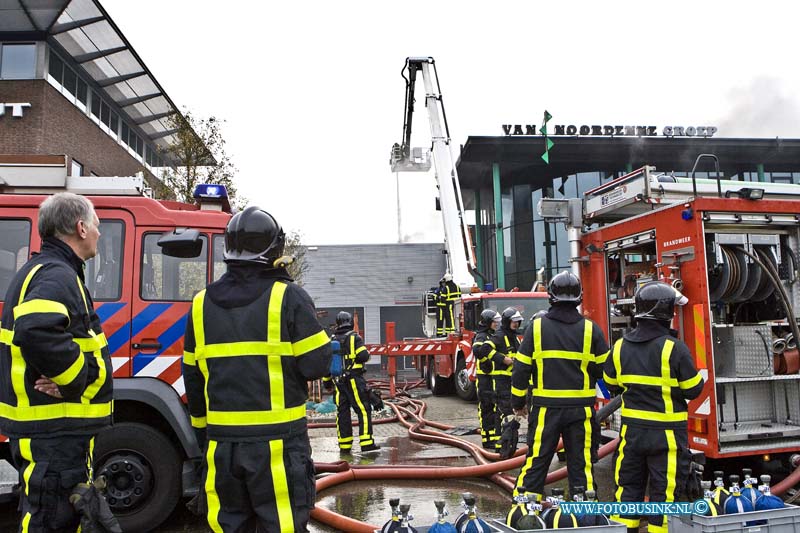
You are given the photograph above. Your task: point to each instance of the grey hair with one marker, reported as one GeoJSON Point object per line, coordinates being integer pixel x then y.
{"type": "Point", "coordinates": [59, 213]}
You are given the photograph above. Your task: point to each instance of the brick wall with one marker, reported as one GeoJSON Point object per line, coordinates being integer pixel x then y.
{"type": "Point", "coordinates": [53, 125]}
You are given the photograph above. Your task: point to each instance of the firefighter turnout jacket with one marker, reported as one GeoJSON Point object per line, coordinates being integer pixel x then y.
{"type": "Point", "coordinates": [483, 350]}
{"type": "Point", "coordinates": [562, 355]}
{"type": "Point", "coordinates": [50, 328]}
{"type": "Point", "coordinates": [504, 343]}
{"type": "Point", "coordinates": [252, 341]}
{"type": "Point", "coordinates": [354, 353]}
{"type": "Point", "coordinates": [656, 375]}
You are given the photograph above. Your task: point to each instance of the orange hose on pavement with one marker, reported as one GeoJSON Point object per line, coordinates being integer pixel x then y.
{"type": "Point", "coordinates": [414, 409]}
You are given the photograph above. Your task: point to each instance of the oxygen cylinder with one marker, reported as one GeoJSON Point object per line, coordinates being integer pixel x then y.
{"type": "Point", "coordinates": [337, 366]}
{"type": "Point", "coordinates": [405, 518]}
{"type": "Point", "coordinates": [708, 496]}
{"type": "Point", "coordinates": [588, 520]}
{"type": "Point", "coordinates": [555, 518]}
{"type": "Point", "coordinates": [524, 512]}
{"type": "Point", "coordinates": [720, 492]}
{"type": "Point", "coordinates": [749, 484]}
{"type": "Point", "coordinates": [393, 525]}
{"type": "Point", "coordinates": [441, 525]}
{"type": "Point", "coordinates": [469, 522]}
{"type": "Point", "coordinates": [736, 503]}
{"type": "Point", "coordinates": [767, 501]}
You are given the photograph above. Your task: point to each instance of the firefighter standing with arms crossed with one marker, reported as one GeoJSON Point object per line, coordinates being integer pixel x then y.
{"type": "Point", "coordinates": [55, 372]}
{"type": "Point", "coordinates": [252, 342]}
{"type": "Point", "coordinates": [351, 387]}
{"type": "Point", "coordinates": [657, 377]}
{"type": "Point", "coordinates": [563, 353]}
{"type": "Point", "coordinates": [484, 351]}
{"type": "Point", "coordinates": [505, 343]}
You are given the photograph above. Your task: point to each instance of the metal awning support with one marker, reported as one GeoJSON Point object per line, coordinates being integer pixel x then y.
{"type": "Point", "coordinates": [91, 56]}
{"type": "Point", "coordinates": [62, 27]}
{"type": "Point", "coordinates": [167, 133]}
{"type": "Point", "coordinates": [119, 79]}
{"type": "Point", "coordinates": [138, 99]}
{"type": "Point", "coordinates": [151, 118]}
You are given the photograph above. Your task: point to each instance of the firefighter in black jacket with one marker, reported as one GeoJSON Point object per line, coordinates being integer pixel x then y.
{"type": "Point", "coordinates": [563, 353]}
{"type": "Point", "coordinates": [252, 342]}
{"type": "Point", "coordinates": [483, 352]}
{"type": "Point", "coordinates": [55, 368]}
{"type": "Point", "coordinates": [449, 294]}
{"type": "Point", "coordinates": [657, 377]}
{"type": "Point", "coordinates": [505, 343]}
{"type": "Point", "coordinates": [351, 387]}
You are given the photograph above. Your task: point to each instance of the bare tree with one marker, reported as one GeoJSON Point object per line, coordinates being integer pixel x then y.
{"type": "Point", "coordinates": [297, 249]}
{"type": "Point", "coordinates": [195, 139]}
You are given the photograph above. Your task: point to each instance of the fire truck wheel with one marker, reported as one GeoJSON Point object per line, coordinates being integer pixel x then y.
{"type": "Point", "coordinates": [464, 387]}
{"type": "Point", "coordinates": [143, 471]}
{"type": "Point", "coordinates": [438, 385]}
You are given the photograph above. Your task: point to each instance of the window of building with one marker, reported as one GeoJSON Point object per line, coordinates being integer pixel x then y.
{"type": "Point", "coordinates": [124, 132]}
{"type": "Point", "coordinates": [105, 113]}
{"type": "Point", "coordinates": [76, 169]}
{"type": "Point", "coordinates": [172, 278]}
{"type": "Point", "coordinates": [70, 81]}
{"type": "Point", "coordinates": [96, 102]}
{"type": "Point", "coordinates": [113, 124]}
{"type": "Point", "coordinates": [56, 68]}
{"type": "Point", "coordinates": [15, 238]}
{"type": "Point", "coordinates": [17, 61]}
{"type": "Point", "coordinates": [218, 258]}
{"type": "Point", "coordinates": [83, 89]}
{"type": "Point", "coordinates": [104, 271]}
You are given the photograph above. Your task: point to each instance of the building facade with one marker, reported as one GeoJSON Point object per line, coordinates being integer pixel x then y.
{"type": "Point", "coordinates": [377, 282]}
{"type": "Point", "coordinates": [503, 178]}
{"type": "Point", "coordinates": [71, 85]}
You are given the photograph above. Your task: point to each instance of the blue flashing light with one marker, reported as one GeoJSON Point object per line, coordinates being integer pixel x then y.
{"type": "Point", "coordinates": [211, 191]}
{"type": "Point", "coordinates": [687, 214]}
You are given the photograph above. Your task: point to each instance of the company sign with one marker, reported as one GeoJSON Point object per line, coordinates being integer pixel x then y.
{"type": "Point", "coordinates": [614, 131]}
{"type": "Point", "coordinates": [16, 108]}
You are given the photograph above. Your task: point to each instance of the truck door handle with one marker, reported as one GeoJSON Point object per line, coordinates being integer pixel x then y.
{"type": "Point", "coordinates": [146, 346]}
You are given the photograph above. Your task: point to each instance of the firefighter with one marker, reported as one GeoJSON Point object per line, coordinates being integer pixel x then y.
{"type": "Point", "coordinates": [252, 342]}
{"type": "Point", "coordinates": [483, 351]}
{"type": "Point", "coordinates": [562, 355]}
{"type": "Point", "coordinates": [441, 307]}
{"type": "Point", "coordinates": [55, 368]}
{"type": "Point", "coordinates": [351, 387]}
{"type": "Point", "coordinates": [449, 294]}
{"type": "Point", "coordinates": [505, 343]}
{"type": "Point", "coordinates": [655, 372]}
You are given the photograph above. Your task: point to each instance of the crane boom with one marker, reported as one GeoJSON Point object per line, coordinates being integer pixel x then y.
{"type": "Point", "coordinates": [460, 256]}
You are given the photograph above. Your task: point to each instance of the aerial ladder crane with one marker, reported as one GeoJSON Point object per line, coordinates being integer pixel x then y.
{"type": "Point", "coordinates": [404, 158]}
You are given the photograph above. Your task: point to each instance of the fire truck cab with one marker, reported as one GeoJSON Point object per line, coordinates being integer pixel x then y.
{"type": "Point", "coordinates": [142, 295]}
{"type": "Point", "coordinates": [732, 248]}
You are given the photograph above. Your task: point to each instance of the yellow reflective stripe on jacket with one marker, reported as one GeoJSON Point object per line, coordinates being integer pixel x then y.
{"type": "Point", "coordinates": [666, 376]}
{"type": "Point", "coordinates": [564, 393]}
{"type": "Point", "coordinates": [601, 359]}
{"type": "Point", "coordinates": [198, 422]}
{"type": "Point", "coordinates": [655, 381]}
{"type": "Point", "coordinates": [654, 416]}
{"type": "Point", "coordinates": [256, 418]}
{"type": "Point", "coordinates": [617, 362]}
{"type": "Point", "coordinates": [237, 349]}
{"type": "Point", "coordinates": [691, 382]}
{"type": "Point", "coordinates": [98, 342]}
{"type": "Point", "coordinates": [274, 365]}
{"type": "Point", "coordinates": [572, 356]}
{"type": "Point", "coordinates": [518, 392]}
{"type": "Point", "coordinates": [188, 358]}
{"type": "Point", "coordinates": [537, 350]}
{"type": "Point", "coordinates": [523, 359]}
{"type": "Point", "coordinates": [18, 365]}
{"type": "Point", "coordinates": [40, 306]}
{"type": "Point", "coordinates": [588, 357]}
{"type": "Point", "coordinates": [53, 411]}
{"type": "Point", "coordinates": [91, 344]}
{"type": "Point", "coordinates": [6, 336]}
{"type": "Point", "coordinates": [609, 380]}
{"type": "Point", "coordinates": [310, 343]}
{"type": "Point", "coordinates": [70, 373]}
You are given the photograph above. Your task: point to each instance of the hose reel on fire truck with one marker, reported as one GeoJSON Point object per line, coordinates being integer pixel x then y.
{"type": "Point", "coordinates": [735, 278]}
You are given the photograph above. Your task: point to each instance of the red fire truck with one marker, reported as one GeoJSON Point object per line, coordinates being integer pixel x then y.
{"type": "Point", "coordinates": [142, 296]}
{"type": "Point", "coordinates": [732, 248]}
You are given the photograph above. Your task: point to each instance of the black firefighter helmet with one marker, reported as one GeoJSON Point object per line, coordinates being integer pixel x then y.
{"type": "Point", "coordinates": [344, 319]}
{"type": "Point", "coordinates": [254, 236]}
{"type": "Point", "coordinates": [510, 314]}
{"type": "Point", "coordinates": [657, 300]}
{"type": "Point", "coordinates": [565, 287]}
{"type": "Point", "coordinates": [487, 317]}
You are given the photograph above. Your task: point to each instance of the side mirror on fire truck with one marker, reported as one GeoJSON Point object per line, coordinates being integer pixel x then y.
{"type": "Point", "coordinates": [181, 242]}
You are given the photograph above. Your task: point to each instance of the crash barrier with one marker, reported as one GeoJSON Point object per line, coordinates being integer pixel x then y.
{"type": "Point", "coordinates": [786, 520]}
{"type": "Point", "coordinates": [410, 413]}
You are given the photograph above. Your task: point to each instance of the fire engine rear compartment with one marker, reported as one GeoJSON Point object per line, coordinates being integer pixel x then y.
{"type": "Point", "coordinates": [754, 350]}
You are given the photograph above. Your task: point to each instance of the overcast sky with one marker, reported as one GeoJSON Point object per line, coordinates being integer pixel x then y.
{"type": "Point", "coordinates": [313, 99]}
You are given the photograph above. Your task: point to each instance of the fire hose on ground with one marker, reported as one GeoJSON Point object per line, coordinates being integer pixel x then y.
{"type": "Point", "coordinates": [343, 472]}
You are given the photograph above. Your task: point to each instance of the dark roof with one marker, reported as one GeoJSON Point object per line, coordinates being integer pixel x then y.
{"type": "Point", "coordinates": [520, 156]}
{"type": "Point", "coordinates": [83, 30]}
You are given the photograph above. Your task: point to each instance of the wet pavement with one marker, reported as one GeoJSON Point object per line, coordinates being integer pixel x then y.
{"type": "Point", "coordinates": [368, 500]}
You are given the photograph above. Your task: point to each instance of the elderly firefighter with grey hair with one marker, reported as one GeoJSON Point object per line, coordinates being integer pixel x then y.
{"type": "Point", "coordinates": [56, 374]}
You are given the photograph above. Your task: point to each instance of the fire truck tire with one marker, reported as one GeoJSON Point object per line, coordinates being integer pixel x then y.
{"type": "Point", "coordinates": [143, 470]}
{"type": "Point", "coordinates": [465, 389]}
{"type": "Point", "coordinates": [438, 385]}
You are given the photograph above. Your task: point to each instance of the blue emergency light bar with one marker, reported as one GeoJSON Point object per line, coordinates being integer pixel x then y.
{"type": "Point", "coordinates": [210, 191]}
